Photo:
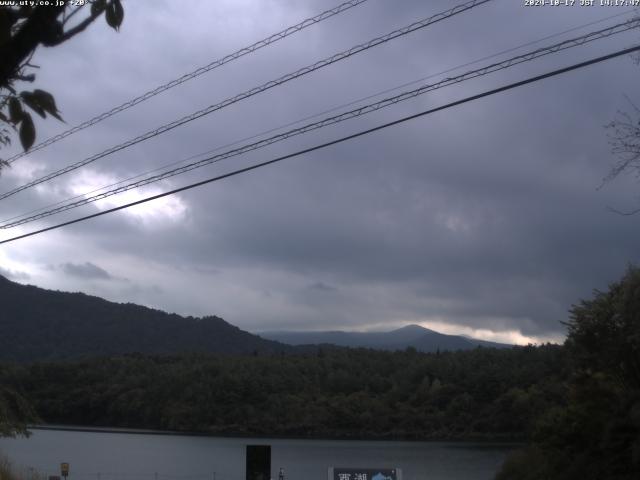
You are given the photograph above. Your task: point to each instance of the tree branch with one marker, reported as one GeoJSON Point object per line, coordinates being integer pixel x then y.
{"type": "Point", "coordinates": [68, 17]}
{"type": "Point", "coordinates": [620, 212]}
{"type": "Point", "coordinates": [76, 30]}
{"type": "Point", "coordinates": [26, 40]}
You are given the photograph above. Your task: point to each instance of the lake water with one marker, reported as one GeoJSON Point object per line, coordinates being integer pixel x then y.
{"type": "Point", "coordinates": [125, 456]}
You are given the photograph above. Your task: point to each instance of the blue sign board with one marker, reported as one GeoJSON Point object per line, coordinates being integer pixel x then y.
{"type": "Point", "coordinates": [364, 474]}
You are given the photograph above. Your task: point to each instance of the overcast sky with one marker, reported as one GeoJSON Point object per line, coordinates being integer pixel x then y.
{"type": "Point", "coordinates": [484, 219]}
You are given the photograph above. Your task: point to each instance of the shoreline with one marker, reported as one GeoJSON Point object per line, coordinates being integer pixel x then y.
{"type": "Point", "coordinates": [139, 431]}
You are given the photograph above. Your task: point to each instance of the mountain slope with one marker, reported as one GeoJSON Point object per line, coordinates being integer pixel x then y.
{"type": "Point", "coordinates": [420, 338]}
{"type": "Point", "coordinates": [39, 324]}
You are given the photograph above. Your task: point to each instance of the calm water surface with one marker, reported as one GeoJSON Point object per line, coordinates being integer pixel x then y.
{"type": "Point", "coordinates": [122, 456]}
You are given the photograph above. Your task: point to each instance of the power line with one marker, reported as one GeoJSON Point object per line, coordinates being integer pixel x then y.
{"type": "Point", "coordinates": [540, 52]}
{"type": "Point", "coordinates": [256, 90]}
{"type": "Point", "coordinates": [196, 73]}
{"type": "Point", "coordinates": [316, 115]}
{"type": "Point", "coordinates": [457, 67]}
{"type": "Point", "coordinates": [337, 141]}
{"type": "Point", "coordinates": [336, 119]}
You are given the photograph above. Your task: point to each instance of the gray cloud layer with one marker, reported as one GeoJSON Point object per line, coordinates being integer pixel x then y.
{"type": "Point", "coordinates": [86, 270]}
{"type": "Point", "coordinates": [483, 217]}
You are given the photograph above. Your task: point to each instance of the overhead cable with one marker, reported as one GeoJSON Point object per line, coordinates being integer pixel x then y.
{"type": "Point", "coordinates": [318, 114]}
{"type": "Point", "coordinates": [363, 110]}
{"type": "Point", "coordinates": [254, 91]}
{"type": "Point", "coordinates": [191, 75]}
{"type": "Point", "coordinates": [335, 142]}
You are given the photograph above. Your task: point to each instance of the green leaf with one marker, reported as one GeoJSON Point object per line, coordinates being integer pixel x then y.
{"type": "Point", "coordinates": [47, 102]}
{"type": "Point", "coordinates": [97, 7]}
{"type": "Point", "coordinates": [114, 14]}
{"type": "Point", "coordinates": [27, 131]}
{"type": "Point", "coordinates": [29, 99]}
{"type": "Point", "coordinates": [15, 110]}
{"type": "Point", "coordinates": [28, 78]}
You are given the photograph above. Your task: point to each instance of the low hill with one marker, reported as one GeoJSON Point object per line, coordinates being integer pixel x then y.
{"type": "Point", "coordinates": [39, 324]}
{"type": "Point", "coordinates": [420, 338]}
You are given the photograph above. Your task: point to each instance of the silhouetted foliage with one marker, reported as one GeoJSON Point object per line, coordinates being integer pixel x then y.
{"type": "Point", "coordinates": [15, 411]}
{"type": "Point", "coordinates": [23, 28]}
{"type": "Point", "coordinates": [597, 434]}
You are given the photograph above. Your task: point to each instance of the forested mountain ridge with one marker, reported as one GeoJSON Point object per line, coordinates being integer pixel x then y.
{"type": "Point", "coordinates": [420, 338]}
{"type": "Point", "coordinates": [39, 324]}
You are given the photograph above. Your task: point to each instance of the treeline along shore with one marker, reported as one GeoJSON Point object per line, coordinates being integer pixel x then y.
{"type": "Point", "coordinates": [331, 393]}
{"type": "Point", "coordinates": [577, 405]}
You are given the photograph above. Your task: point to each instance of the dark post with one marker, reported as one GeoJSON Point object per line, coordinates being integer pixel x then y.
{"type": "Point", "coordinates": [258, 462]}
{"type": "Point", "coordinates": [64, 470]}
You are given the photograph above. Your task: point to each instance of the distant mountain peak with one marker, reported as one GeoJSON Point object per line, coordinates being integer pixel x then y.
{"type": "Point", "coordinates": [413, 335]}
{"type": "Point", "coordinates": [413, 327]}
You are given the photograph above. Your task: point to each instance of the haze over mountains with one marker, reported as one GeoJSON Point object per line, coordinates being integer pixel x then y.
{"type": "Point", "coordinates": [38, 324]}
{"type": "Point", "coordinates": [420, 338]}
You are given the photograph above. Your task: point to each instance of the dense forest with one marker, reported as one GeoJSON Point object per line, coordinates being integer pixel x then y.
{"type": "Point", "coordinates": [484, 393]}
{"type": "Point", "coordinates": [577, 405]}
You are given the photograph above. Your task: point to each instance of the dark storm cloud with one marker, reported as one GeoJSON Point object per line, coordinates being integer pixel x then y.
{"type": "Point", "coordinates": [484, 216]}
{"type": "Point", "coordinates": [321, 287]}
{"type": "Point", "coordinates": [87, 270]}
